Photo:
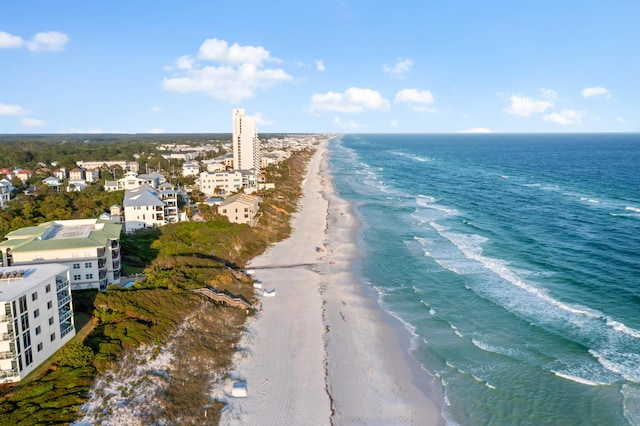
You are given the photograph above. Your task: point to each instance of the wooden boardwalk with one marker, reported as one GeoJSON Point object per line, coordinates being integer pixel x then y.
{"type": "Point", "coordinates": [216, 296]}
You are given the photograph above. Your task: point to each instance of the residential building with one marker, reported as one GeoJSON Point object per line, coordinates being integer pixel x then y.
{"type": "Point", "coordinates": [214, 183]}
{"type": "Point", "coordinates": [245, 142]}
{"type": "Point", "coordinates": [92, 175]}
{"type": "Point", "coordinates": [24, 175]}
{"type": "Point", "coordinates": [190, 169]}
{"type": "Point", "coordinates": [60, 173]}
{"type": "Point", "coordinates": [36, 317]}
{"type": "Point", "coordinates": [6, 188]}
{"type": "Point", "coordinates": [239, 208]}
{"type": "Point", "coordinates": [132, 180]}
{"type": "Point", "coordinates": [89, 247]}
{"type": "Point", "coordinates": [53, 182]}
{"type": "Point", "coordinates": [76, 174]}
{"type": "Point", "coordinates": [127, 166]}
{"type": "Point", "coordinates": [148, 207]}
{"type": "Point", "coordinates": [76, 185]}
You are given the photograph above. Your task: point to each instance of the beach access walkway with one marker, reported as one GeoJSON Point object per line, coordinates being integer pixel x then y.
{"type": "Point", "coordinates": [219, 297]}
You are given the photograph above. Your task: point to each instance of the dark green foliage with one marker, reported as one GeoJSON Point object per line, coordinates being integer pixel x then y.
{"type": "Point", "coordinates": [74, 354]}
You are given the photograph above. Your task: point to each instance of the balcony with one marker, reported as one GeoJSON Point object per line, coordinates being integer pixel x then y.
{"type": "Point", "coordinates": [101, 252]}
{"type": "Point", "coordinates": [114, 254]}
{"type": "Point", "coordinates": [64, 314]}
{"type": "Point", "coordinates": [101, 262]}
{"type": "Point", "coordinates": [5, 374]}
{"type": "Point", "coordinates": [116, 265]}
{"type": "Point", "coordinates": [61, 284]}
{"type": "Point", "coordinates": [102, 275]}
{"type": "Point", "coordinates": [63, 300]}
{"type": "Point", "coordinates": [7, 355]}
{"type": "Point", "coordinates": [114, 244]}
{"type": "Point", "coordinates": [6, 318]}
{"type": "Point", "coordinates": [6, 336]}
{"type": "Point", "coordinates": [65, 328]}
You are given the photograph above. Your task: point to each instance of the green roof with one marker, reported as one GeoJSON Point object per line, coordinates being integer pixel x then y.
{"type": "Point", "coordinates": [61, 235]}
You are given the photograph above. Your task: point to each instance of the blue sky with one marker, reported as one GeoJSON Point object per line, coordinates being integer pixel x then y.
{"type": "Point", "coordinates": [138, 66]}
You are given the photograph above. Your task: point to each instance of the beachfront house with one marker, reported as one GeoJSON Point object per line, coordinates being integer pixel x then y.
{"type": "Point", "coordinates": [239, 208]}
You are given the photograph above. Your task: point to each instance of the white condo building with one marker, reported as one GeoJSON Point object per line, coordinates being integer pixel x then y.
{"type": "Point", "coordinates": [90, 248]}
{"type": "Point", "coordinates": [245, 142]}
{"type": "Point", "coordinates": [36, 317]}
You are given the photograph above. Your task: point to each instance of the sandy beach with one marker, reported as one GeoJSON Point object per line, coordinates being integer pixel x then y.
{"type": "Point", "coordinates": [322, 351]}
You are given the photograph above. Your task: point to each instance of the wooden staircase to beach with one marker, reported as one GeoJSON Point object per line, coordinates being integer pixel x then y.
{"type": "Point", "coordinates": [224, 298]}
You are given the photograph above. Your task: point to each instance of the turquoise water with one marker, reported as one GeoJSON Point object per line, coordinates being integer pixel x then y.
{"type": "Point", "coordinates": [515, 262]}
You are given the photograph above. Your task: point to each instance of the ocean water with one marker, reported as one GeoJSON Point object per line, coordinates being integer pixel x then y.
{"type": "Point", "coordinates": [514, 260]}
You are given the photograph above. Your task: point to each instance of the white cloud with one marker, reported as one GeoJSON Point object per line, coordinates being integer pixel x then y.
{"type": "Point", "coordinates": [565, 117]}
{"type": "Point", "coordinates": [476, 130]}
{"type": "Point", "coordinates": [414, 96]}
{"type": "Point", "coordinates": [399, 69]}
{"type": "Point", "coordinates": [352, 100]}
{"type": "Point", "coordinates": [595, 91]}
{"type": "Point", "coordinates": [549, 94]}
{"type": "Point", "coordinates": [261, 121]}
{"type": "Point", "coordinates": [347, 124]}
{"type": "Point", "coordinates": [31, 122]}
{"type": "Point", "coordinates": [219, 51]}
{"type": "Point", "coordinates": [156, 108]}
{"type": "Point", "coordinates": [620, 119]}
{"type": "Point", "coordinates": [9, 41]}
{"type": "Point", "coordinates": [7, 109]}
{"type": "Point", "coordinates": [156, 130]}
{"type": "Point", "coordinates": [43, 41]}
{"type": "Point", "coordinates": [394, 123]}
{"type": "Point", "coordinates": [525, 106]}
{"type": "Point", "coordinates": [52, 40]}
{"type": "Point", "coordinates": [240, 75]}
{"type": "Point", "coordinates": [320, 65]}
{"type": "Point", "coordinates": [184, 62]}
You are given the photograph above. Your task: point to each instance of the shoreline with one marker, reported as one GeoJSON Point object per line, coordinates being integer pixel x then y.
{"type": "Point", "coordinates": [323, 351]}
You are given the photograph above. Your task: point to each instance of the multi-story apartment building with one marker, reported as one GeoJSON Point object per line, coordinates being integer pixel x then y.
{"type": "Point", "coordinates": [245, 142]}
{"type": "Point", "coordinates": [36, 317]}
{"type": "Point", "coordinates": [6, 188]}
{"type": "Point", "coordinates": [89, 247]}
{"type": "Point", "coordinates": [213, 183]}
{"type": "Point", "coordinates": [148, 207]}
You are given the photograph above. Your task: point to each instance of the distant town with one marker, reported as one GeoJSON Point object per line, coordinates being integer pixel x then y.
{"type": "Point", "coordinates": [41, 264]}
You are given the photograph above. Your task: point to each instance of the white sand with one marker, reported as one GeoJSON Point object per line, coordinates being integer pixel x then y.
{"type": "Point", "coordinates": [322, 352]}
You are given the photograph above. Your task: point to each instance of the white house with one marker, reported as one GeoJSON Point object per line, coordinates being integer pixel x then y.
{"type": "Point", "coordinates": [37, 318]}
{"type": "Point", "coordinates": [132, 180]}
{"type": "Point", "coordinates": [148, 207]}
{"type": "Point", "coordinates": [6, 188]}
{"type": "Point", "coordinates": [89, 247]}
{"type": "Point", "coordinates": [53, 182]}
{"type": "Point", "coordinates": [190, 169]}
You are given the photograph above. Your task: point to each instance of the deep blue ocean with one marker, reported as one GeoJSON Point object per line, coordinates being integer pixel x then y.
{"type": "Point", "coordinates": [514, 260]}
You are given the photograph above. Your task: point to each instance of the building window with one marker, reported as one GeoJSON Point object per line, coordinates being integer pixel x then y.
{"type": "Point", "coordinates": [39, 346]}
{"type": "Point", "coordinates": [76, 266]}
{"type": "Point", "coordinates": [34, 296]}
{"type": "Point", "coordinates": [36, 313]}
{"type": "Point", "coordinates": [87, 264]}
{"type": "Point", "coordinates": [53, 336]}
{"type": "Point", "coordinates": [49, 304]}
{"type": "Point", "coordinates": [28, 357]}
{"type": "Point", "coordinates": [89, 276]}
{"type": "Point", "coordinates": [77, 277]}
{"type": "Point", "coordinates": [37, 330]}
{"type": "Point", "coordinates": [48, 288]}
{"type": "Point", "coordinates": [51, 321]}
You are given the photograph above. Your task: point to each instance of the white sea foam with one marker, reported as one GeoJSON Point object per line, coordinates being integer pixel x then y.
{"type": "Point", "coordinates": [618, 326]}
{"type": "Point", "coordinates": [426, 198]}
{"type": "Point", "coordinates": [590, 200]}
{"type": "Point", "coordinates": [577, 379]}
{"type": "Point", "coordinates": [411, 156]}
{"type": "Point", "coordinates": [633, 209]}
{"type": "Point", "coordinates": [629, 370]}
{"type": "Point", "coordinates": [631, 403]}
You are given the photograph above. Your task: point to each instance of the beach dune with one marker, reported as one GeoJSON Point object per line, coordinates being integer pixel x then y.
{"type": "Point", "coordinates": [322, 351]}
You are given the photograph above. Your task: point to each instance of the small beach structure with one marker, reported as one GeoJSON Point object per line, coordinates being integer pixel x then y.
{"type": "Point", "coordinates": [216, 296]}
{"type": "Point", "coordinates": [239, 389]}
{"type": "Point", "coordinates": [269, 293]}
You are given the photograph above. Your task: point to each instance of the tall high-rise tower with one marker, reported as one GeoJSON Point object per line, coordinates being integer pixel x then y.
{"type": "Point", "coordinates": [246, 145]}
